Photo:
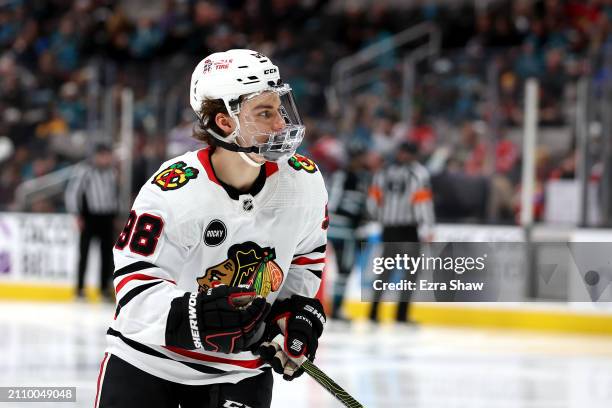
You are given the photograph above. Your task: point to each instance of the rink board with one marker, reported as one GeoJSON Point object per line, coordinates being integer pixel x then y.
{"type": "Point", "coordinates": [38, 255]}
{"type": "Point", "coordinates": [559, 317]}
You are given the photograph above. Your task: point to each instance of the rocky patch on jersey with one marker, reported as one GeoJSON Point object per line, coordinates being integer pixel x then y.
{"type": "Point", "coordinates": [246, 264]}
{"type": "Point", "coordinates": [299, 162]}
{"type": "Point", "coordinates": [175, 176]}
{"type": "Point", "coordinates": [215, 233]}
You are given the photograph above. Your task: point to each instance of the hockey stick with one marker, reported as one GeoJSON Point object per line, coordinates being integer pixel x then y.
{"type": "Point", "coordinates": [319, 376]}
{"type": "Point", "coordinates": [330, 385]}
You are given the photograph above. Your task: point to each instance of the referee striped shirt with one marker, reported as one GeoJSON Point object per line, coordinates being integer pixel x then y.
{"type": "Point", "coordinates": [400, 195]}
{"type": "Point", "coordinates": [92, 191]}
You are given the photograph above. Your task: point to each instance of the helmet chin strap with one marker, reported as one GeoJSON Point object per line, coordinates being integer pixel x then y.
{"type": "Point", "coordinates": [242, 151]}
{"type": "Point", "coordinates": [249, 161]}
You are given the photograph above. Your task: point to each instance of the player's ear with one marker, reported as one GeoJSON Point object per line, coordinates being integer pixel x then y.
{"type": "Point", "coordinates": [225, 123]}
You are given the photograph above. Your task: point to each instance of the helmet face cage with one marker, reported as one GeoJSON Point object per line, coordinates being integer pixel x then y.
{"type": "Point", "coordinates": [269, 122]}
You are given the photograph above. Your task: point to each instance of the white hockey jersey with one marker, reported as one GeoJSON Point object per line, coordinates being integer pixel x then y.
{"type": "Point", "coordinates": [186, 230]}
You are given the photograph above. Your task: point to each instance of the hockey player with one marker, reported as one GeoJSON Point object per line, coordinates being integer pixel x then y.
{"type": "Point", "coordinates": [347, 206]}
{"type": "Point", "coordinates": [214, 238]}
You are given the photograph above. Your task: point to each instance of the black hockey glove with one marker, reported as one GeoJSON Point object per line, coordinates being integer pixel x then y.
{"type": "Point", "coordinates": [303, 319]}
{"type": "Point", "coordinates": [223, 319]}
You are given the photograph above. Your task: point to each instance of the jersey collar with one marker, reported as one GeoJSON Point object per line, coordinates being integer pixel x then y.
{"type": "Point", "coordinates": [268, 169]}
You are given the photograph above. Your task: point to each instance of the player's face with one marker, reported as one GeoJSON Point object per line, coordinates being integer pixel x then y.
{"type": "Point", "coordinates": [259, 117]}
{"type": "Point", "coordinates": [269, 122]}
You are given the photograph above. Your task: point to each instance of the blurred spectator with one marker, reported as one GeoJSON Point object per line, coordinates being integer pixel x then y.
{"type": "Point", "coordinates": [506, 155]}
{"type": "Point", "coordinates": [69, 54]}
{"type": "Point", "coordinates": [53, 126]}
{"type": "Point", "coordinates": [24, 45]}
{"type": "Point", "coordinates": [180, 138]}
{"type": "Point", "coordinates": [460, 197]}
{"type": "Point", "coordinates": [552, 87]}
{"type": "Point", "coordinates": [40, 166]}
{"type": "Point", "coordinates": [528, 64]}
{"type": "Point", "coordinates": [71, 107]}
{"type": "Point", "coordinates": [504, 34]}
{"type": "Point", "coordinates": [470, 151]}
{"type": "Point", "coordinates": [65, 46]}
{"type": "Point", "coordinates": [9, 180]}
{"type": "Point", "coordinates": [384, 139]}
{"type": "Point", "coordinates": [422, 134]}
{"type": "Point", "coordinates": [148, 155]}
{"type": "Point", "coordinates": [49, 78]}
{"type": "Point", "coordinates": [145, 38]}
{"type": "Point", "coordinates": [509, 99]}
{"type": "Point", "coordinates": [327, 151]}
{"type": "Point", "coordinates": [567, 167]}
{"type": "Point", "coordinates": [10, 24]}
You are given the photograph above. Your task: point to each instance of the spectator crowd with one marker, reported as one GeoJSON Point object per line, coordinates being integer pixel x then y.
{"type": "Point", "coordinates": [62, 62]}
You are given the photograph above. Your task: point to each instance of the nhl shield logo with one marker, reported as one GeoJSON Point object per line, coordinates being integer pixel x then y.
{"type": "Point", "coordinates": [247, 205]}
{"type": "Point", "coordinates": [215, 233]}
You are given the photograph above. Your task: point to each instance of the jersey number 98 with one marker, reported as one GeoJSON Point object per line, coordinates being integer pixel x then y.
{"type": "Point", "coordinates": [144, 232]}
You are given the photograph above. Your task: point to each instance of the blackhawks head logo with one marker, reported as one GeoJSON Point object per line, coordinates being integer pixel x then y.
{"type": "Point", "coordinates": [175, 176]}
{"type": "Point", "coordinates": [246, 264]}
{"type": "Point", "coordinates": [299, 162]}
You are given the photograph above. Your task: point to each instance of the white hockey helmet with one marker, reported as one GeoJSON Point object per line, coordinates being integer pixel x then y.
{"type": "Point", "coordinates": [248, 74]}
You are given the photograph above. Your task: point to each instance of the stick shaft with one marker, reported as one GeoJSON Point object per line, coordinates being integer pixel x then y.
{"type": "Point", "coordinates": [330, 385]}
{"type": "Point", "coordinates": [319, 376]}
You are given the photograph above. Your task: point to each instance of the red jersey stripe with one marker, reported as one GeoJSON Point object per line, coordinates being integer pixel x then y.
{"type": "Point", "coordinates": [100, 375]}
{"type": "Point", "coordinates": [204, 157]}
{"type": "Point", "coordinates": [141, 277]}
{"type": "Point", "coordinates": [271, 168]}
{"type": "Point", "coordinates": [307, 261]}
{"type": "Point", "coordinates": [212, 359]}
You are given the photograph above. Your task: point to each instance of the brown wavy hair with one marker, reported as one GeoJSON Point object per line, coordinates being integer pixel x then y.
{"type": "Point", "coordinates": [210, 109]}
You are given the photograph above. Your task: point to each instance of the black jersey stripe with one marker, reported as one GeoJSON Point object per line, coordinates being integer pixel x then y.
{"type": "Point", "coordinates": [135, 345]}
{"type": "Point", "coordinates": [147, 350]}
{"type": "Point", "coordinates": [320, 249]}
{"type": "Point", "coordinates": [316, 273]}
{"type": "Point", "coordinates": [132, 294]}
{"type": "Point", "coordinates": [133, 267]}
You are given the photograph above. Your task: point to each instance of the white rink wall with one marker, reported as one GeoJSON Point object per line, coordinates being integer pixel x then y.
{"type": "Point", "coordinates": [38, 258]}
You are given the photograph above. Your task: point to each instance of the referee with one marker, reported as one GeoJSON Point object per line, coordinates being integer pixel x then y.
{"type": "Point", "coordinates": [92, 195]}
{"type": "Point", "coordinates": [400, 199]}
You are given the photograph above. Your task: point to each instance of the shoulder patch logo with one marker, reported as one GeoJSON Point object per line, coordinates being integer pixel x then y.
{"type": "Point", "coordinates": [299, 162]}
{"type": "Point", "coordinates": [215, 233]}
{"type": "Point", "coordinates": [246, 264]}
{"type": "Point", "coordinates": [175, 176]}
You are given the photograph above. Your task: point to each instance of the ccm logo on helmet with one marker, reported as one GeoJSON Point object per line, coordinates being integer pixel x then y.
{"type": "Point", "coordinates": [270, 71]}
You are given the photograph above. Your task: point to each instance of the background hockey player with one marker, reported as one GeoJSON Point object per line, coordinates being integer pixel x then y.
{"type": "Point", "coordinates": [213, 239]}
{"type": "Point", "coordinates": [347, 207]}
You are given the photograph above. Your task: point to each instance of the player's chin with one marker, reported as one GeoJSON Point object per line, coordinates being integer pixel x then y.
{"type": "Point", "coordinates": [257, 158]}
